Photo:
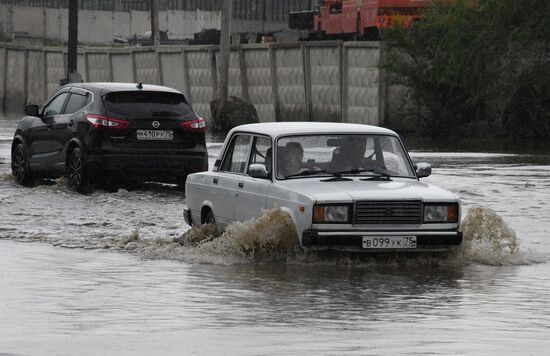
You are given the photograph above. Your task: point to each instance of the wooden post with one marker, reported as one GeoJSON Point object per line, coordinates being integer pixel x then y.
{"type": "Point", "coordinates": [155, 36]}
{"type": "Point", "coordinates": [72, 54]}
{"type": "Point", "coordinates": [225, 38]}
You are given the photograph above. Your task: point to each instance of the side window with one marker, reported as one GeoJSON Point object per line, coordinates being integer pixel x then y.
{"type": "Point", "coordinates": [56, 105]}
{"type": "Point", "coordinates": [235, 160]}
{"type": "Point", "coordinates": [75, 103]}
{"type": "Point", "coordinates": [261, 152]}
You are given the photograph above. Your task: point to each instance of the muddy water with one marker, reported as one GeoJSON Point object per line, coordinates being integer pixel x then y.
{"type": "Point", "coordinates": [121, 274]}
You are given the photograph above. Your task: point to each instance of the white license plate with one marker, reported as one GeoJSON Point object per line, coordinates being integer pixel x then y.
{"type": "Point", "coordinates": [392, 242]}
{"type": "Point", "coordinates": [161, 135]}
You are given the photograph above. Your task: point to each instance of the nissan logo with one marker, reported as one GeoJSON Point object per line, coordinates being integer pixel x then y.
{"type": "Point", "coordinates": [156, 124]}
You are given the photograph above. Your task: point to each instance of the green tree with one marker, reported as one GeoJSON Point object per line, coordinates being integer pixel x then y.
{"type": "Point", "coordinates": [469, 64]}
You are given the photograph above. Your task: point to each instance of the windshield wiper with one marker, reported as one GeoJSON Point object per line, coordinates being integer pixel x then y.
{"type": "Point", "coordinates": [337, 176]}
{"type": "Point", "coordinates": [379, 175]}
{"type": "Point", "coordinates": [305, 173]}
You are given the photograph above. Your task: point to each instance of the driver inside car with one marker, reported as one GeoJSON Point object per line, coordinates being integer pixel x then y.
{"type": "Point", "coordinates": [351, 155]}
{"type": "Point", "coordinates": [290, 158]}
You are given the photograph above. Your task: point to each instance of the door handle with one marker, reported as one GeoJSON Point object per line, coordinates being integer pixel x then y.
{"type": "Point", "coordinates": [241, 184]}
{"type": "Point", "coordinates": [71, 123]}
{"type": "Point", "coordinates": [215, 180]}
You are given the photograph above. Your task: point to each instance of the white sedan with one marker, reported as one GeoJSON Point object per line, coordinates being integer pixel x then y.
{"type": "Point", "coordinates": [345, 186]}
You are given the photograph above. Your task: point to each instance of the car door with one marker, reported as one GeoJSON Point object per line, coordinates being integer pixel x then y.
{"type": "Point", "coordinates": [230, 175]}
{"type": "Point", "coordinates": [42, 145]}
{"type": "Point", "coordinates": [63, 125]}
{"type": "Point", "coordinates": [250, 197]}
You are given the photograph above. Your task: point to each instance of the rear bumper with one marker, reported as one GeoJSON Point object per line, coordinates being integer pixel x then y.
{"type": "Point", "coordinates": [353, 240]}
{"type": "Point", "coordinates": [166, 167]}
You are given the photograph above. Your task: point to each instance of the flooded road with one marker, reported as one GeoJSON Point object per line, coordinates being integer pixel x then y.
{"type": "Point", "coordinates": [102, 274]}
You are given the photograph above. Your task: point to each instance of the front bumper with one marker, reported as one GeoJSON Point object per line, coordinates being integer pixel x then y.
{"type": "Point", "coordinates": [353, 240]}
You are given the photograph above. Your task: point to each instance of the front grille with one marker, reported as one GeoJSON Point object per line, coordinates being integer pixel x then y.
{"type": "Point", "coordinates": [388, 212]}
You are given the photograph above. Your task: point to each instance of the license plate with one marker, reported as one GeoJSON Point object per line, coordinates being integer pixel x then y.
{"type": "Point", "coordinates": [161, 135]}
{"type": "Point", "coordinates": [392, 242]}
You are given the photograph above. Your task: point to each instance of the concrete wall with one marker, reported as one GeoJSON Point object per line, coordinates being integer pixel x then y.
{"type": "Point", "coordinates": [102, 26]}
{"type": "Point", "coordinates": [325, 81]}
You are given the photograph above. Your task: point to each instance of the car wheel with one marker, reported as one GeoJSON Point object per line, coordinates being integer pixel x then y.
{"type": "Point", "coordinates": [20, 166]}
{"type": "Point", "coordinates": [208, 218]}
{"type": "Point", "coordinates": [76, 172]}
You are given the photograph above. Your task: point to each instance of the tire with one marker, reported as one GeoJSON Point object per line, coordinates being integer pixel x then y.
{"type": "Point", "coordinates": [20, 166]}
{"type": "Point", "coordinates": [76, 172]}
{"type": "Point", "coordinates": [208, 218]}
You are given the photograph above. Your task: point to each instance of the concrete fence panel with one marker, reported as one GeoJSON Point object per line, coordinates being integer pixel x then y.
{"type": "Point", "coordinates": [95, 26]}
{"type": "Point", "coordinates": [201, 80]}
{"type": "Point", "coordinates": [56, 24]}
{"type": "Point", "coordinates": [235, 85]}
{"type": "Point", "coordinates": [16, 80]}
{"type": "Point", "coordinates": [98, 67]}
{"type": "Point", "coordinates": [259, 81]}
{"type": "Point", "coordinates": [36, 85]}
{"type": "Point", "coordinates": [122, 67]}
{"type": "Point", "coordinates": [29, 20]}
{"type": "Point", "coordinates": [362, 84]}
{"type": "Point", "coordinates": [289, 73]}
{"type": "Point", "coordinates": [172, 69]}
{"type": "Point", "coordinates": [146, 66]}
{"type": "Point", "coordinates": [55, 69]}
{"type": "Point", "coordinates": [325, 73]}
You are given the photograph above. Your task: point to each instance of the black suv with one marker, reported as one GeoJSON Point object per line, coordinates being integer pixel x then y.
{"type": "Point", "coordinates": [108, 134]}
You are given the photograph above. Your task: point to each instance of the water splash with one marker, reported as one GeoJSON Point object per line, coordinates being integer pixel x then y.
{"type": "Point", "coordinates": [6, 177]}
{"type": "Point", "coordinates": [489, 240]}
{"type": "Point", "coordinates": [271, 237]}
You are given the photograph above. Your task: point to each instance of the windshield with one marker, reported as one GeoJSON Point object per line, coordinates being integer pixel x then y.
{"type": "Point", "coordinates": [146, 103]}
{"type": "Point", "coordinates": [347, 154]}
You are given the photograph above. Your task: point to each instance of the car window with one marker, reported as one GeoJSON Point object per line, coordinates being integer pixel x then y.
{"type": "Point", "coordinates": [56, 105]}
{"type": "Point", "coordinates": [261, 152]}
{"type": "Point", "coordinates": [75, 103]}
{"type": "Point", "coordinates": [147, 103]}
{"type": "Point", "coordinates": [237, 155]}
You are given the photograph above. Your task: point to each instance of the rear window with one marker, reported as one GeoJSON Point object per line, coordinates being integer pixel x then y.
{"type": "Point", "coordinates": [143, 103]}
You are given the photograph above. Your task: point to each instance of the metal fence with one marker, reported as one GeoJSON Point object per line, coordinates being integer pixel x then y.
{"type": "Point", "coordinates": [260, 10]}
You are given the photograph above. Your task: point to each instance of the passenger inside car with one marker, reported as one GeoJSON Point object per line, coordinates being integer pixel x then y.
{"type": "Point", "coordinates": [290, 159]}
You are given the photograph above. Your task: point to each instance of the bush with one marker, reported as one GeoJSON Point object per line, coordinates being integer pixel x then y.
{"type": "Point", "coordinates": [473, 65]}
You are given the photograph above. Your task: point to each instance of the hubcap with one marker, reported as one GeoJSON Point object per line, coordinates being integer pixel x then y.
{"type": "Point", "coordinates": [19, 164]}
{"type": "Point", "coordinates": [75, 174]}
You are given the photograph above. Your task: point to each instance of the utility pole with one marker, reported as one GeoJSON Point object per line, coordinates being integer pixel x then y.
{"type": "Point", "coordinates": [155, 35]}
{"type": "Point", "coordinates": [225, 39]}
{"type": "Point", "coordinates": [72, 74]}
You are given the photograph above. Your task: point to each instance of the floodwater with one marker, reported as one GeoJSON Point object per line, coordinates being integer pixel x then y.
{"type": "Point", "coordinates": [108, 273]}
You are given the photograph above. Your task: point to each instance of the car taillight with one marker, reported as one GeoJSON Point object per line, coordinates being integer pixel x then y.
{"type": "Point", "coordinates": [194, 125]}
{"type": "Point", "coordinates": [98, 121]}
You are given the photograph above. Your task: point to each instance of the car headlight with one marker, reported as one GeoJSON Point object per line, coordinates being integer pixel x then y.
{"type": "Point", "coordinates": [331, 214]}
{"type": "Point", "coordinates": [441, 213]}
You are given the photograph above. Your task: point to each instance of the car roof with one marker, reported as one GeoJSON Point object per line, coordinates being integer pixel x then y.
{"type": "Point", "coordinates": [276, 129]}
{"type": "Point", "coordinates": [112, 87]}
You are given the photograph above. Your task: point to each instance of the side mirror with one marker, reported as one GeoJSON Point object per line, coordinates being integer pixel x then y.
{"type": "Point", "coordinates": [258, 170]}
{"type": "Point", "coordinates": [423, 169]}
{"type": "Point", "coordinates": [31, 110]}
